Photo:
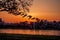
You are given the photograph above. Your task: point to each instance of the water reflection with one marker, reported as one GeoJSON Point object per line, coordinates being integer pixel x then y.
{"type": "Point", "coordinates": [31, 32]}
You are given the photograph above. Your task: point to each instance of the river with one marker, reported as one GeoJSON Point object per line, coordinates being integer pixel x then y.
{"type": "Point", "coordinates": [31, 32]}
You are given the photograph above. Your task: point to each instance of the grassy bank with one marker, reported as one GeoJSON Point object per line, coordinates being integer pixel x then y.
{"type": "Point", "coordinates": [26, 37]}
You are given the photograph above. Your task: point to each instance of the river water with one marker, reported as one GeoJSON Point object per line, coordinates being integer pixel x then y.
{"type": "Point", "coordinates": [31, 32]}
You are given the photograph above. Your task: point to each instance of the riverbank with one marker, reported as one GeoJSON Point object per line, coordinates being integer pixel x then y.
{"type": "Point", "coordinates": [4, 36]}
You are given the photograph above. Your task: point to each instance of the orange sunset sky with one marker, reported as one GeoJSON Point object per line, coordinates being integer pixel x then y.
{"type": "Point", "coordinates": [43, 9]}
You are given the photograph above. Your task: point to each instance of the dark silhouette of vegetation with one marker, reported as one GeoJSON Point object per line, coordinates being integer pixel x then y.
{"type": "Point", "coordinates": [38, 25]}
{"type": "Point", "coordinates": [16, 7]}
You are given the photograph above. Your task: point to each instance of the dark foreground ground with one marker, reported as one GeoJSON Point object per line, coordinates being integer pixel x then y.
{"type": "Point", "coordinates": [27, 37]}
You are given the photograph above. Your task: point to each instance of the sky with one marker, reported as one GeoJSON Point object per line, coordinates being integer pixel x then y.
{"type": "Point", "coordinates": [42, 9]}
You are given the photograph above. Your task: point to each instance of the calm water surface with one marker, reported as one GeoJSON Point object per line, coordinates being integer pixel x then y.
{"type": "Point", "coordinates": [31, 32]}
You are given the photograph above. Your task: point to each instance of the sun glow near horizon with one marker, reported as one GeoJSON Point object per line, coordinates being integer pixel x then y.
{"type": "Point", "coordinates": [42, 9]}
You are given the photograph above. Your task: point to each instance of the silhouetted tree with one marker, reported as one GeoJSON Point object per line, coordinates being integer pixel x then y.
{"type": "Point", "coordinates": [33, 18]}
{"type": "Point", "coordinates": [1, 23]}
{"type": "Point", "coordinates": [15, 5]}
{"type": "Point", "coordinates": [0, 19]}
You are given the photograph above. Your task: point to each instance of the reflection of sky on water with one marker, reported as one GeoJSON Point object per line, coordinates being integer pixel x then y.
{"type": "Point", "coordinates": [31, 32]}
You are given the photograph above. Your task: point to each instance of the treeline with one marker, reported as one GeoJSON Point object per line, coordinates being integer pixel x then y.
{"type": "Point", "coordinates": [38, 25]}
